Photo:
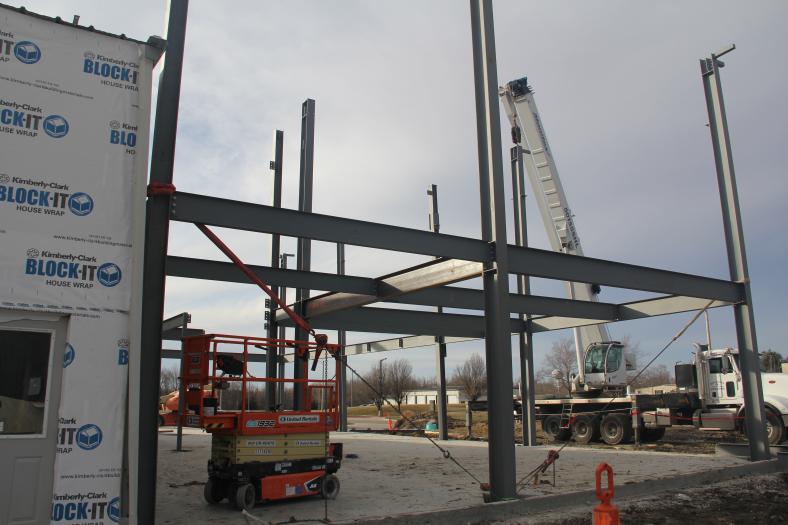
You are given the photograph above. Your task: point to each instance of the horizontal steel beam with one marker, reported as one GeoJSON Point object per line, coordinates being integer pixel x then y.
{"type": "Point", "coordinates": [176, 321]}
{"type": "Point", "coordinates": [387, 320]}
{"type": "Point", "coordinates": [554, 265]}
{"type": "Point", "coordinates": [175, 334]}
{"type": "Point", "coordinates": [401, 343]}
{"type": "Point", "coordinates": [228, 272]}
{"type": "Point", "coordinates": [188, 207]}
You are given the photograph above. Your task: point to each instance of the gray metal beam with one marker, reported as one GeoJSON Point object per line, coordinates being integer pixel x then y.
{"type": "Point", "coordinates": [189, 207]}
{"type": "Point", "coordinates": [440, 349]}
{"type": "Point", "coordinates": [737, 257]}
{"type": "Point", "coordinates": [498, 344]}
{"type": "Point", "coordinates": [388, 320]}
{"type": "Point", "coordinates": [271, 369]}
{"type": "Point", "coordinates": [176, 334]}
{"type": "Point", "coordinates": [304, 248]}
{"type": "Point", "coordinates": [341, 339]}
{"type": "Point", "coordinates": [156, 241]}
{"type": "Point", "coordinates": [525, 339]}
{"type": "Point", "coordinates": [401, 343]}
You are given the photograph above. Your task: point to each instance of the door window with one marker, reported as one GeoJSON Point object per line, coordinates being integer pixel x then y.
{"type": "Point", "coordinates": [595, 359]}
{"type": "Point", "coordinates": [614, 358]}
{"type": "Point", "coordinates": [715, 365]}
{"type": "Point", "coordinates": [24, 367]}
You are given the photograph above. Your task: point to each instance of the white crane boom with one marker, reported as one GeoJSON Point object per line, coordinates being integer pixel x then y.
{"type": "Point", "coordinates": [527, 131]}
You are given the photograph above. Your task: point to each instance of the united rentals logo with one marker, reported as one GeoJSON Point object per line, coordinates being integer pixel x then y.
{"type": "Point", "coordinates": [90, 507]}
{"type": "Point", "coordinates": [113, 72]}
{"type": "Point", "coordinates": [43, 197]}
{"type": "Point", "coordinates": [25, 51]}
{"type": "Point", "coordinates": [86, 437]}
{"type": "Point", "coordinates": [71, 271]}
{"type": "Point", "coordinates": [28, 120]}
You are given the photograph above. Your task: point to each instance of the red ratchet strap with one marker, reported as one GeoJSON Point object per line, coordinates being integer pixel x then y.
{"type": "Point", "coordinates": [156, 189]}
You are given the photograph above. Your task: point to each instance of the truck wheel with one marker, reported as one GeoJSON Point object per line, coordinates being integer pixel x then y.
{"type": "Point", "coordinates": [650, 435]}
{"type": "Point", "coordinates": [775, 430]}
{"type": "Point", "coordinates": [551, 426]}
{"type": "Point", "coordinates": [214, 491]}
{"type": "Point", "coordinates": [585, 429]}
{"type": "Point", "coordinates": [616, 429]}
{"type": "Point", "coordinates": [244, 497]}
{"type": "Point", "coordinates": [329, 487]}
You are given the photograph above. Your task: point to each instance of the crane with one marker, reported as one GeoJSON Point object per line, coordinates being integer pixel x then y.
{"type": "Point", "coordinates": [595, 368]}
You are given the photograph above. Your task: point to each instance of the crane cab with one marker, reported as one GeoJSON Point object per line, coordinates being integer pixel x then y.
{"type": "Point", "coordinates": [605, 367]}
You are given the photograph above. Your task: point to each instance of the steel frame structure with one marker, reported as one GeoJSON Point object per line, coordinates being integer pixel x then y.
{"type": "Point", "coordinates": [344, 307]}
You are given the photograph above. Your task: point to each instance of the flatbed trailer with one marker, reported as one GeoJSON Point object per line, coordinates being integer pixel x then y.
{"type": "Point", "coordinates": [615, 420]}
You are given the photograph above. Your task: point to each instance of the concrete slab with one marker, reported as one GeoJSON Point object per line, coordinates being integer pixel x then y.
{"type": "Point", "coordinates": [396, 475]}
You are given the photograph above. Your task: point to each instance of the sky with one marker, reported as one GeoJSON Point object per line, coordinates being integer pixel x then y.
{"type": "Point", "coordinates": [618, 87]}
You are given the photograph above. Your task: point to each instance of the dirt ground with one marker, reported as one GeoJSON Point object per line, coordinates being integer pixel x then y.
{"type": "Point", "coordinates": [746, 501]}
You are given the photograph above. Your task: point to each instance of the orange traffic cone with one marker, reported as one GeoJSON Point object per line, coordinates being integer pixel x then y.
{"type": "Point", "coordinates": [605, 513]}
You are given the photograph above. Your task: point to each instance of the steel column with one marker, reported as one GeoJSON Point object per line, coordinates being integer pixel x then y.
{"type": "Point", "coordinates": [282, 334]}
{"type": "Point", "coordinates": [156, 241]}
{"type": "Point", "coordinates": [527, 382]}
{"type": "Point", "coordinates": [737, 257]}
{"type": "Point", "coordinates": [343, 357]}
{"type": "Point", "coordinates": [498, 344]}
{"type": "Point", "coordinates": [272, 353]}
{"type": "Point", "coordinates": [440, 350]}
{"type": "Point", "coordinates": [304, 250]}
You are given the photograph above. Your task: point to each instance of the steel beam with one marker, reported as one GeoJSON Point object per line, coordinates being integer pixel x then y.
{"type": "Point", "coordinates": [304, 249]}
{"type": "Point", "coordinates": [225, 213]}
{"type": "Point", "coordinates": [343, 358]}
{"type": "Point", "coordinates": [498, 345]}
{"type": "Point", "coordinates": [440, 349]}
{"type": "Point", "coordinates": [400, 343]}
{"type": "Point", "coordinates": [271, 368]}
{"type": "Point", "coordinates": [737, 257]}
{"type": "Point", "coordinates": [156, 242]}
{"type": "Point", "coordinates": [525, 339]}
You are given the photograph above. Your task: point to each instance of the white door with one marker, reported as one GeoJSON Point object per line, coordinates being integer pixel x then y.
{"type": "Point", "coordinates": [31, 367]}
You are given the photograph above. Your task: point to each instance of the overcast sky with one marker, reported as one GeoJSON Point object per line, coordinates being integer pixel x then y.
{"type": "Point", "coordinates": [619, 90]}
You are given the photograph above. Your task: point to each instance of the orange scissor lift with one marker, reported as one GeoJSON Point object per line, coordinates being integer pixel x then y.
{"type": "Point", "coordinates": [259, 455]}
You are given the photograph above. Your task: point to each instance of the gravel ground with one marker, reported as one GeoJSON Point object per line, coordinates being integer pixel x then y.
{"type": "Point", "coordinates": [745, 501]}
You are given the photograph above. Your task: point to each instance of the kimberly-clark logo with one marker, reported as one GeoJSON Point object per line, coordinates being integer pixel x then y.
{"type": "Point", "coordinates": [43, 197]}
{"type": "Point", "coordinates": [68, 270]}
{"type": "Point", "coordinates": [28, 120]}
{"type": "Point", "coordinates": [113, 72]}
{"type": "Point", "coordinates": [89, 437]}
{"type": "Point", "coordinates": [85, 508]}
{"type": "Point", "coordinates": [68, 355]}
{"type": "Point", "coordinates": [27, 52]}
{"type": "Point", "coordinates": [113, 510]}
{"type": "Point", "coordinates": [123, 352]}
{"type": "Point", "coordinates": [55, 126]}
{"type": "Point", "coordinates": [123, 134]}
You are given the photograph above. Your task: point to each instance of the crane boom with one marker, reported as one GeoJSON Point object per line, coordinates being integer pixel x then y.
{"type": "Point", "coordinates": [527, 131]}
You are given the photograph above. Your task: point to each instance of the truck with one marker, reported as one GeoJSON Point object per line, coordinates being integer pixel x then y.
{"type": "Point", "coordinates": [708, 396]}
{"type": "Point", "coordinates": [600, 404]}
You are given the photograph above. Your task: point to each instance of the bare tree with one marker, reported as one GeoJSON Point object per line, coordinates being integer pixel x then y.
{"type": "Point", "coordinates": [400, 380]}
{"type": "Point", "coordinates": [655, 375]}
{"type": "Point", "coordinates": [471, 377]}
{"type": "Point", "coordinates": [168, 380]}
{"type": "Point", "coordinates": [771, 361]}
{"type": "Point", "coordinates": [560, 364]}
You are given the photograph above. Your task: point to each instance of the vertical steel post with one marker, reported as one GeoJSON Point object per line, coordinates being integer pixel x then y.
{"type": "Point", "coordinates": [157, 228]}
{"type": "Point", "coordinates": [440, 351]}
{"type": "Point", "coordinates": [185, 320]}
{"type": "Point", "coordinates": [498, 343]}
{"type": "Point", "coordinates": [272, 353]}
{"type": "Point", "coordinates": [737, 257]}
{"type": "Point", "coordinates": [527, 383]}
{"type": "Point", "coordinates": [343, 357]}
{"type": "Point", "coordinates": [304, 251]}
{"type": "Point", "coordinates": [282, 334]}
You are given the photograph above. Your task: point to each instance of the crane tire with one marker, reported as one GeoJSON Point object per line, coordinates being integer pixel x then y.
{"type": "Point", "coordinates": [616, 429]}
{"type": "Point", "coordinates": [551, 426]}
{"type": "Point", "coordinates": [585, 429]}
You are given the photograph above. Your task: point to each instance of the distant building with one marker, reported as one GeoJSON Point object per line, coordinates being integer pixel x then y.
{"type": "Point", "coordinates": [426, 396]}
{"type": "Point", "coordinates": [659, 389]}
